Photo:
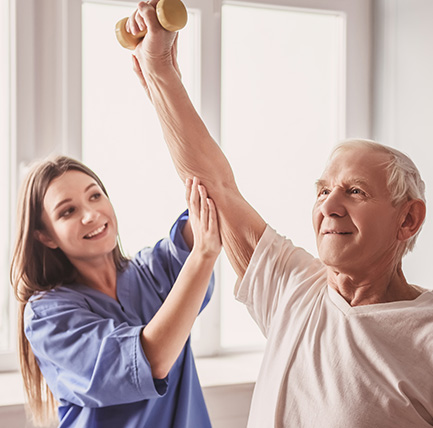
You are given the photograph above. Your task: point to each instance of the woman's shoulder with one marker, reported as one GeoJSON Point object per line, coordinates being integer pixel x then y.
{"type": "Point", "coordinates": [66, 291]}
{"type": "Point", "coordinates": [49, 300]}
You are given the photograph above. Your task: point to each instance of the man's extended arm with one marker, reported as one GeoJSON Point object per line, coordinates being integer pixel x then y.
{"type": "Point", "coordinates": [192, 148]}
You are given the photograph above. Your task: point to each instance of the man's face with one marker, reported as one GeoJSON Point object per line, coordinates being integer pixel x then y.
{"type": "Point", "coordinates": [354, 220]}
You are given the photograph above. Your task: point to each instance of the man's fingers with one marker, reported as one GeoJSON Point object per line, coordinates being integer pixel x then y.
{"type": "Point", "coordinates": [148, 14]}
{"type": "Point", "coordinates": [153, 2]}
{"type": "Point", "coordinates": [132, 25]}
{"type": "Point", "coordinates": [140, 22]}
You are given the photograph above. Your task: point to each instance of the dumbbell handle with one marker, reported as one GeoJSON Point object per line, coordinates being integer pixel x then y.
{"type": "Point", "coordinates": [171, 14]}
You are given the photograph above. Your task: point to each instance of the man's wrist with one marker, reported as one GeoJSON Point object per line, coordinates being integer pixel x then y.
{"type": "Point", "coordinates": [161, 68]}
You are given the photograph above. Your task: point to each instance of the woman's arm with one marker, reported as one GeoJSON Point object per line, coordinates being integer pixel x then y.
{"type": "Point", "coordinates": [193, 150]}
{"type": "Point", "coordinates": [165, 335]}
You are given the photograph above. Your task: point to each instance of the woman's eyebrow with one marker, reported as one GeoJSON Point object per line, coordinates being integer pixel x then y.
{"type": "Point", "coordinates": [90, 186]}
{"type": "Point", "coordinates": [64, 201]}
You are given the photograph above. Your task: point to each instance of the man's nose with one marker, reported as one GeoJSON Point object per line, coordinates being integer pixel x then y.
{"type": "Point", "coordinates": [334, 205]}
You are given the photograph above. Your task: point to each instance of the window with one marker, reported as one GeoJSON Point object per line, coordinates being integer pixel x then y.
{"type": "Point", "coordinates": [4, 156]}
{"type": "Point", "coordinates": [6, 302]}
{"type": "Point", "coordinates": [293, 93]}
{"type": "Point", "coordinates": [121, 131]}
{"type": "Point", "coordinates": [75, 93]}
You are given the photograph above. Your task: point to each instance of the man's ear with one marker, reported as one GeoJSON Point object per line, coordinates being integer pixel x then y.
{"type": "Point", "coordinates": [45, 239]}
{"type": "Point", "coordinates": [414, 212]}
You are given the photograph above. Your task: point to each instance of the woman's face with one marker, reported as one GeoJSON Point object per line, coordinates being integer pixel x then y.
{"type": "Point", "coordinates": [78, 218]}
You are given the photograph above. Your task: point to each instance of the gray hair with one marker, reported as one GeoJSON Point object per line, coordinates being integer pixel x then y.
{"type": "Point", "coordinates": [404, 180]}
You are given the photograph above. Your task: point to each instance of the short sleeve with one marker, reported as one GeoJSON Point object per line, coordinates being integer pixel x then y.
{"type": "Point", "coordinates": [160, 265]}
{"type": "Point", "coordinates": [88, 360]}
{"type": "Point", "coordinates": [276, 268]}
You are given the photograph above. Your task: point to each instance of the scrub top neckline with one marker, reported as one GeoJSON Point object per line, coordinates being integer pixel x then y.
{"type": "Point", "coordinates": [122, 291]}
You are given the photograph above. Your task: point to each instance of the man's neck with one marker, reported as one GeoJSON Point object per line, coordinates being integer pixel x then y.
{"type": "Point", "coordinates": [368, 289]}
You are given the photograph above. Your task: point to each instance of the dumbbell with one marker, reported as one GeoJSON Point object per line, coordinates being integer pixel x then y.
{"type": "Point", "coordinates": [171, 14]}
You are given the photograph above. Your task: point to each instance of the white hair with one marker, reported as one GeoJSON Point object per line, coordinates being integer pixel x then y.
{"type": "Point", "coordinates": [404, 180]}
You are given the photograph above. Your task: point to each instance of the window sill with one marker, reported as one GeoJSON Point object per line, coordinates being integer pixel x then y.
{"type": "Point", "coordinates": [224, 370]}
{"type": "Point", "coordinates": [11, 389]}
{"type": "Point", "coordinates": [229, 369]}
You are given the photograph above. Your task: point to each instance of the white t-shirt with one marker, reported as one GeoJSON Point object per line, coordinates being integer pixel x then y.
{"type": "Point", "coordinates": [327, 364]}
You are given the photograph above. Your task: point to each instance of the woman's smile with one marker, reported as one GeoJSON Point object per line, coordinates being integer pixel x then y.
{"type": "Point", "coordinates": [97, 232]}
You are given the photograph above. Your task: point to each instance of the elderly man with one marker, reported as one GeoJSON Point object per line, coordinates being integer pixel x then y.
{"type": "Point", "coordinates": [349, 340]}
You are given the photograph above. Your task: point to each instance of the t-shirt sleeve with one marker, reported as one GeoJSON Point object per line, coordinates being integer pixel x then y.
{"type": "Point", "coordinates": [276, 268]}
{"type": "Point", "coordinates": [163, 263]}
{"type": "Point", "coordinates": [88, 360]}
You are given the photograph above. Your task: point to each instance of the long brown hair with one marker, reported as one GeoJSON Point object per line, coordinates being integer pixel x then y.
{"type": "Point", "coordinates": [36, 268]}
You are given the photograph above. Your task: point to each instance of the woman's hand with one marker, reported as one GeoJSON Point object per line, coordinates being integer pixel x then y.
{"type": "Point", "coordinates": [204, 220]}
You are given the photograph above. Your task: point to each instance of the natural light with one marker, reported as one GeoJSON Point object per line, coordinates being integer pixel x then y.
{"type": "Point", "coordinates": [289, 104]}
{"type": "Point", "coordinates": [122, 139]}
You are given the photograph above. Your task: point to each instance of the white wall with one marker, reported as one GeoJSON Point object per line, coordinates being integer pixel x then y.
{"type": "Point", "coordinates": [403, 102]}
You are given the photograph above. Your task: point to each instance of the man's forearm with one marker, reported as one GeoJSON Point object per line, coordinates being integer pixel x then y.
{"type": "Point", "coordinates": [194, 151]}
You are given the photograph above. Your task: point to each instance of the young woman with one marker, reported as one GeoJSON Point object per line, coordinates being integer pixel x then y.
{"type": "Point", "coordinates": [103, 337]}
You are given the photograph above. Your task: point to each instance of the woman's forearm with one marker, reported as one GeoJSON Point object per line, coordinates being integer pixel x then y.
{"type": "Point", "coordinates": [165, 335]}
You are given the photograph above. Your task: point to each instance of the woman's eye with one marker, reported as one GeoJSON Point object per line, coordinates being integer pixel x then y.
{"type": "Point", "coordinates": [95, 196]}
{"type": "Point", "coordinates": [66, 213]}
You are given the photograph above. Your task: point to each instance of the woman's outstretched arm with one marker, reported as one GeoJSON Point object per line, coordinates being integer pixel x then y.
{"type": "Point", "coordinates": [165, 335]}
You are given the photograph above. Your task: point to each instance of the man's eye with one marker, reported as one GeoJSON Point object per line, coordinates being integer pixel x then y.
{"type": "Point", "coordinates": [356, 191]}
{"type": "Point", "coordinates": [324, 192]}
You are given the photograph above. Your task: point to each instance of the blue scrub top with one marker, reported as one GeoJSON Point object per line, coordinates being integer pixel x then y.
{"type": "Point", "coordinates": [88, 348]}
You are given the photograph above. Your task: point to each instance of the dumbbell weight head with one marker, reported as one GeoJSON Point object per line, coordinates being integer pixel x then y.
{"type": "Point", "coordinates": [171, 14]}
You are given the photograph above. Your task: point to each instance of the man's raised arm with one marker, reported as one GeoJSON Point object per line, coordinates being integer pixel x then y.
{"type": "Point", "coordinates": [192, 148]}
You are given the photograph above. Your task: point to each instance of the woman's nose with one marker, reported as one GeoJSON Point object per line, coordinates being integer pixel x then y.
{"type": "Point", "coordinates": [334, 205]}
{"type": "Point", "coordinates": [89, 216]}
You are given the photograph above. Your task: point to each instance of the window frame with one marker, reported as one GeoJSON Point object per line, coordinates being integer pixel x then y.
{"type": "Point", "coordinates": [8, 357]}
{"type": "Point", "coordinates": [46, 82]}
